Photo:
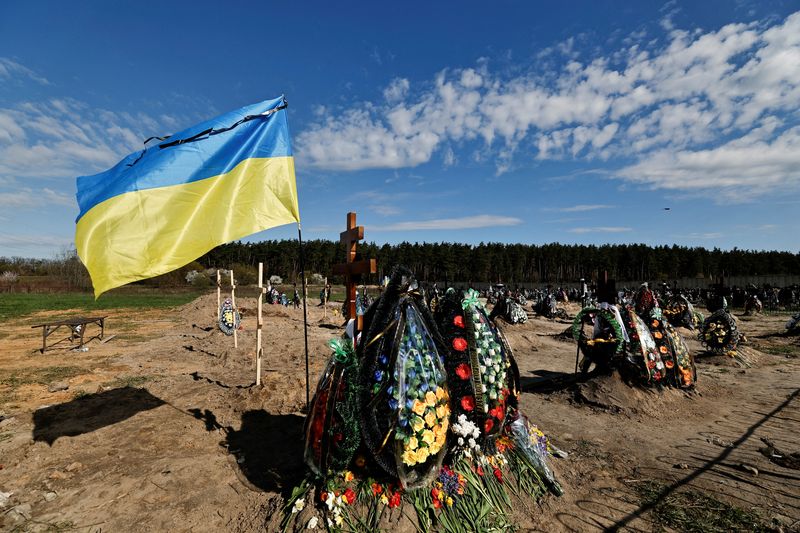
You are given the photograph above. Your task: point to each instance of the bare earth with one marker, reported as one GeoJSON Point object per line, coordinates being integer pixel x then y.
{"type": "Point", "coordinates": [161, 428]}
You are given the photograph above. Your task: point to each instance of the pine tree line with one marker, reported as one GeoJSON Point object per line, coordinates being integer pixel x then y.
{"type": "Point", "coordinates": [512, 263]}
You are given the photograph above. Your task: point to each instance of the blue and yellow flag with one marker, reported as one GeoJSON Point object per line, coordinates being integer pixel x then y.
{"type": "Point", "coordinates": [163, 207]}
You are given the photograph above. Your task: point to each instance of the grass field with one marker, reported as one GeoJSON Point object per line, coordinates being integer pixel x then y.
{"type": "Point", "coordinates": [21, 304]}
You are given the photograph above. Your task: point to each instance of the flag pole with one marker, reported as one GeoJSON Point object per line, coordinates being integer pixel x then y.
{"type": "Point", "coordinates": [305, 308]}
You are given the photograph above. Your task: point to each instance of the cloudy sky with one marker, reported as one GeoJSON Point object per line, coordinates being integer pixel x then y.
{"type": "Point", "coordinates": [508, 121]}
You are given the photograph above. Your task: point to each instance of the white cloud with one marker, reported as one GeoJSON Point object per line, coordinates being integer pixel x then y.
{"type": "Point", "coordinates": [32, 245]}
{"type": "Point", "coordinates": [691, 98]}
{"type": "Point", "coordinates": [472, 222]}
{"type": "Point", "coordinates": [579, 208]}
{"type": "Point", "coordinates": [67, 138]}
{"type": "Point", "coordinates": [28, 198]}
{"type": "Point", "coordinates": [601, 229]}
{"type": "Point", "coordinates": [10, 69]}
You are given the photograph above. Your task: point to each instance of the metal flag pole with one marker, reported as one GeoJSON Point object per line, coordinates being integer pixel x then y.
{"type": "Point", "coordinates": [305, 308]}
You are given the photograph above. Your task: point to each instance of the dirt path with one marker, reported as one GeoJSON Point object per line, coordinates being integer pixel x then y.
{"type": "Point", "coordinates": [161, 428]}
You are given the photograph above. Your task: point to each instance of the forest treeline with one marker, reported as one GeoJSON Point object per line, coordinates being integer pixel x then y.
{"type": "Point", "coordinates": [511, 263]}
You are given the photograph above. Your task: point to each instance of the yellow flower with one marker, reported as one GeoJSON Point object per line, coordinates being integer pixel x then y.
{"type": "Point", "coordinates": [348, 476]}
{"type": "Point", "coordinates": [410, 457]}
{"type": "Point", "coordinates": [430, 418]}
{"type": "Point", "coordinates": [384, 499]}
{"type": "Point", "coordinates": [434, 449]}
{"type": "Point", "coordinates": [441, 438]}
{"type": "Point", "coordinates": [441, 411]}
{"type": "Point", "coordinates": [412, 443]}
{"type": "Point", "coordinates": [422, 455]}
{"type": "Point", "coordinates": [449, 501]}
{"type": "Point", "coordinates": [440, 393]}
{"type": "Point", "coordinates": [430, 398]}
{"type": "Point", "coordinates": [417, 424]}
{"type": "Point", "coordinates": [428, 436]}
{"type": "Point", "coordinates": [445, 425]}
{"type": "Point", "coordinates": [419, 407]}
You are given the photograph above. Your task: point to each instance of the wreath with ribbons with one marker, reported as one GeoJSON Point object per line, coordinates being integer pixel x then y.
{"type": "Point", "coordinates": [599, 350]}
{"type": "Point", "coordinates": [719, 333]}
{"type": "Point", "coordinates": [333, 429]}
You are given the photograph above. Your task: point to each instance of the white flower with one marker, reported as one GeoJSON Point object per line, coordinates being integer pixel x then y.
{"type": "Point", "coordinates": [330, 501]}
{"type": "Point", "coordinates": [472, 442]}
{"type": "Point", "coordinates": [483, 388]}
{"type": "Point", "coordinates": [298, 505]}
{"type": "Point", "coordinates": [476, 432]}
{"type": "Point", "coordinates": [460, 441]}
{"type": "Point", "coordinates": [312, 524]}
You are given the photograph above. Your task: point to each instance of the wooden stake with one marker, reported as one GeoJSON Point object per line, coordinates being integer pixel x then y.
{"type": "Point", "coordinates": [325, 299]}
{"type": "Point", "coordinates": [233, 304]}
{"type": "Point", "coordinates": [218, 294]}
{"type": "Point", "coordinates": [260, 323]}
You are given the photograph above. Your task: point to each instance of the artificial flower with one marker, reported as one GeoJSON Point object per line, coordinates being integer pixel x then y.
{"type": "Point", "coordinates": [459, 344]}
{"type": "Point", "coordinates": [464, 371]}
{"type": "Point", "coordinates": [468, 403]}
{"type": "Point", "coordinates": [430, 399]}
{"type": "Point", "coordinates": [458, 321]}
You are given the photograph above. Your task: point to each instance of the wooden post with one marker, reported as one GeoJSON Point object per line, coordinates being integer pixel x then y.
{"type": "Point", "coordinates": [352, 269]}
{"type": "Point", "coordinates": [233, 304]}
{"type": "Point", "coordinates": [260, 323]}
{"type": "Point", "coordinates": [325, 299]}
{"type": "Point", "coordinates": [218, 294]}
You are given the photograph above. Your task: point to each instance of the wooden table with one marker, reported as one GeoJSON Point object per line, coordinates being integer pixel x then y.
{"type": "Point", "coordinates": [77, 328]}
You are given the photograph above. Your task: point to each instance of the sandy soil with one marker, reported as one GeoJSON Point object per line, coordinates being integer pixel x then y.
{"type": "Point", "coordinates": [162, 428]}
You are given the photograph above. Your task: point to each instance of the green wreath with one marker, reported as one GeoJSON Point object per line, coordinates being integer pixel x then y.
{"type": "Point", "coordinates": [605, 314]}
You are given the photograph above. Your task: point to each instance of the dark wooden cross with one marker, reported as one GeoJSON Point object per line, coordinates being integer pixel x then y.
{"type": "Point", "coordinates": [352, 270]}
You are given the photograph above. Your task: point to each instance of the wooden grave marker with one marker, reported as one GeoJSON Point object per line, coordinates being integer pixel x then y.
{"type": "Point", "coordinates": [352, 270]}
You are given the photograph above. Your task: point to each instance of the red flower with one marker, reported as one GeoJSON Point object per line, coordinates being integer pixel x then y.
{"type": "Point", "coordinates": [498, 474]}
{"type": "Point", "coordinates": [349, 496]}
{"type": "Point", "coordinates": [394, 501]}
{"type": "Point", "coordinates": [488, 425]}
{"type": "Point", "coordinates": [479, 471]}
{"type": "Point", "coordinates": [459, 344]}
{"type": "Point", "coordinates": [437, 503]}
{"type": "Point", "coordinates": [669, 364]}
{"type": "Point", "coordinates": [458, 321]}
{"type": "Point", "coordinates": [468, 403]}
{"type": "Point", "coordinates": [323, 496]}
{"type": "Point", "coordinates": [376, 489]}
{"type": "Point", "coordinates": [464, 371]}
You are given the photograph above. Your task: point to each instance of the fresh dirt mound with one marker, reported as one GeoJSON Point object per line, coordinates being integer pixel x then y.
{"type": "Point", "coordinates": [611, 392]}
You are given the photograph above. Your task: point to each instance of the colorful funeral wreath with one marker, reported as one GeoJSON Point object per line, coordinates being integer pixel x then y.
{"type": "Point", "coordinates": [406, 408]}
{"type": "Point", "coordinates": [643, 345]}
{"type": "Point", "coordinates": [332, 427]}
{"type": "Point", "coordinates": [603, 348]}
{"type": "Point", "coordinates": [229, 318]}
{"type": "Point", "coordinates": [480, 368]}
{"type": "Point", "coordinates": [719, 332]}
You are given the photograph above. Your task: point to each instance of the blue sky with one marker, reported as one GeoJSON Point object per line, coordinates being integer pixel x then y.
{"type": "Point", "coordinates": [509, 121]}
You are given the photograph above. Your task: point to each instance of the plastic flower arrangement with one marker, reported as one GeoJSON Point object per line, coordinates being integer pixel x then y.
{"type": "Point", "coordinates": [420, 396]}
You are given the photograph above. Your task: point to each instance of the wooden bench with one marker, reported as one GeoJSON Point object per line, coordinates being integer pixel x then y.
{"type": "Point", "coordinates": [77, 328]}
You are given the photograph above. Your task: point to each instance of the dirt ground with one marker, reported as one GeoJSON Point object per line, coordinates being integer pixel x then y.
{"type": "Point", "coordinates": [162, 429]}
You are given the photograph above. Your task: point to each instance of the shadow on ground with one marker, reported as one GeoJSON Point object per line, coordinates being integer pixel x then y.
{"type": "Point", "coordinates": [267, 448]}
{"type": "Point", "coordinates": [91, 412]}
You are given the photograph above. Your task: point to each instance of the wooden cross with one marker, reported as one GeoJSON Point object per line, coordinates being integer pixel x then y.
{"type": "Point", "coordinates": [352, 269]}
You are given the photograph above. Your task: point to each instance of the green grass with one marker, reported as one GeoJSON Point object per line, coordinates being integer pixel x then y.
{"type": "Point", "coordinates": [13, 305]}
{"type": "Point", "coordinates": [130, 381]}
{"type": "Point", "coordinates": [696, 512]}
{"type": "Point", "coordinates": [42, 376]}
{"type": "Point", "coordinates": [785, 349]}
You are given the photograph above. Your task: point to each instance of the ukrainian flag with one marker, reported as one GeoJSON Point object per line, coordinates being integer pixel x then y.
{"type": "Point", "coordinates": [165, 206]}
